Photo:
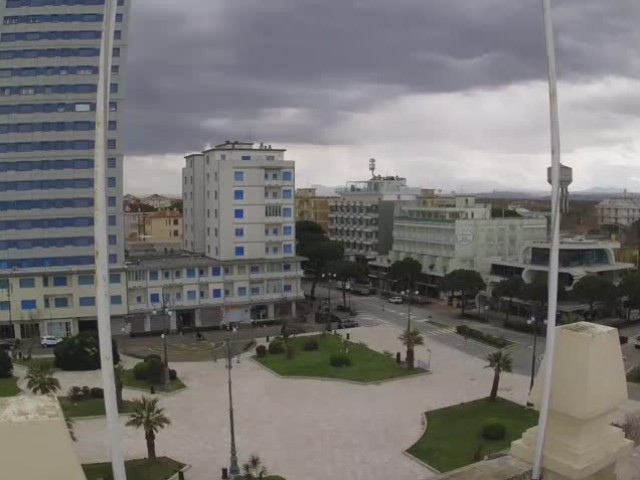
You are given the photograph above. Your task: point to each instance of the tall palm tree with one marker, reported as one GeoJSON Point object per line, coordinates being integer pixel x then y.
{"type": "Point", "coordinates": [118, 374]}
{"type": "Point", "coordinates": [410, 339]}
{"type": "Point", "coordinates": [500, 362]}
{"type": "Point", "coordinates": [40, 378]}
{"type": "Point", "coordinates": [254, 469]}
{"type": "Point", "coordinates": [146, 414]}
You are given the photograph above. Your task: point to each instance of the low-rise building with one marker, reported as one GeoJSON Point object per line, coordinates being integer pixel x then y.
{"type": "Point", "coordinates": [154, 227]}
{"type": "Point", "coordinates": [311, 207]}
{"type": "Point", "coordinates": [157, 201]}
{"type": "Point", "coordinates": [459, 233]}
{"type": "Point", "coordinates": [619, 211]}
{"type": "Point", "coordinates": [578, 258]}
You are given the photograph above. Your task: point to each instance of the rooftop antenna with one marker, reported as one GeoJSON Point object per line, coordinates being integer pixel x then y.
{"type": "Point", "coordinates": [372, 167]}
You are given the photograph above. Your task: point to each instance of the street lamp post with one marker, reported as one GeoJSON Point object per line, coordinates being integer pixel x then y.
{"type": "Point", "coordinates": [166, 313]}
{"type": "Point", "coordinates": [535, 321]}
{"type": "Point", "coordinates": [234, 469]}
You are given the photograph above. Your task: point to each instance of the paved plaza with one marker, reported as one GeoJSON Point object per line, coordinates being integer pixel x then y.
{"type": "Point", "coordinates": [303, 429]}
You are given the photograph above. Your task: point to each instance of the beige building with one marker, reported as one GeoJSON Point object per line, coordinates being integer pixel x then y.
{"type": "Point", "coordinates": [619, 211]}
{"type": "Point", "coordinates": [153, 227]}
{"type": "Point", "coordinates": [311, 207]}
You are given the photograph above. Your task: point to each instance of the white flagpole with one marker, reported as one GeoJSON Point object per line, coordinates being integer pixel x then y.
{"type": "Point", "coordinates": [555, 242]}
{"type": "Point", "coordinates": [101, 241]}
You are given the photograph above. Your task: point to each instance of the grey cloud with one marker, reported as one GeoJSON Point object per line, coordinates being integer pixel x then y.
{"type": "Point", "coordinates": [244, 63]}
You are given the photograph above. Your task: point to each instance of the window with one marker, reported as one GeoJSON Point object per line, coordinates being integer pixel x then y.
{"type": "Point", "coordinates": [111, 201]}
{"type": "Point", "coordinates": [178, 296]}
{"type": "Point", "coordinates": [61, 302]}
{"type": "Point", "coordinates": [287, 230]}
{"type": "Point", "coordinates": [239, 251]}
{"type": "Point", "coordinates": [246, 157]}
{"type": "Point", "coordinates": [178, 274]}
{"type": "Point", "coordinates": [27, 283]}
{"type": "Point", "coordinates": [191, 295]}
{"type": "Point", "coordinates": [59, 281]}
{"type": "Point", "coordinates": [87, 301]}
{"type": "Point", "coordinates": [238, 213]}
{"type": "Point", "coordinates": [114, 278]}
{"type": "Point", "coordinates": [287, 212]}
{"type": "Point", "coordinates": [255, 269]}
{"type": "Point", "coordinates": [217, 293]}
{"type": "Point", "coordinates": [287, 248]}
{"type": "Point", "coordinates": [153, 275]}
{"type": "Point", "coordinates": [287, 194]}
{"type": "Point", "coordinates": [215, 271]}
{"type": "Point", "coordinates": [255, 290]}
{"type": "Point", "coordinates": [287, 287]}
{"type": "Point", "coordinates": [203, 294]}
{"type": "Point", "coordinates": [242, 291]}
{"type": "Point", "coordinates": [154, 298]}
{"type": "Point", "coordinates": [238, 176]}
{"type": "Point", "coordinates": [201, 272]}
{"type": "Point", "coordinates": [287, 175]}
{"type": "Point", "coordinates": [28, 304]}
{"type": "Point", "coordinates": [191, 273]}
{"type": "Point", "coordinates": [286, 267]}
{"type": "Point", "coordinates": [116, 299]}
{"type": "Point", "coordinates": [239, 232]}
{"type": "Point", "coordinates": [85, 280]}
{"type": "Point", "coordinates": [4, 306]}
{"type": "Point", "coordinates": [238, 194]}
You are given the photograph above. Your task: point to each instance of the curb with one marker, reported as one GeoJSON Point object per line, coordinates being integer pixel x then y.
{"type": "Point", "coordinates": [175, 476]}
{"type": "Point", "coordinates": [158, 392]}
{"type": "Point", "coordinates": [416, 459]}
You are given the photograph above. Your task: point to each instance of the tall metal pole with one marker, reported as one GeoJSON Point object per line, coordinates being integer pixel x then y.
{"type": "Point", "coordinates": [533, 353]}
{"type": "Point", "coordinates": [555, 241]}
{"type": "Point", "coordinates": [165, 316]}
{"type": "Point", "coordinates": [101, 241]}
{"type": "Point", "coordinates": [234, 469]}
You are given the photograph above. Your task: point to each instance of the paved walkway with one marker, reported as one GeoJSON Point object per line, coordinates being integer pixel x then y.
{"type": "Point", "coordinates": [303, 429]}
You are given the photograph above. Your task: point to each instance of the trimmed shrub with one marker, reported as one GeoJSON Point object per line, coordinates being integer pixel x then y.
{"type": "Point", "coordinates": [155, 371]}
{"type": "Point", "coordinates": [261, 351]}
{"type": "Point", "coordinates": [340, 360]}
{"type": "Point", "coordinates": [310, 345]}
{"type": "Point", "coordinates": [276, 346]}
{"type": "Point", "coordinates": [153, 358]}
{"type": "Point", "coordinates": [623, 339]}
{"type": "Point", "coordinates": [75, 393]}
{"type": "Point", "coordinates": [494, 430]}
{"type": "Point", "coordinates": [81, 352]}
{"type": "Point", "coordinates": [6, 366]}
{"type": "Point", "coordinates": [498, 342]}
{"type": "Point", "coordinates": [86, 392]}
{"type": "Point", "coordinates": [173, 375]}
{"type": "Point", "coordinates": [97, 392]}
{"type": "Point", "coordinates": [141, 371]}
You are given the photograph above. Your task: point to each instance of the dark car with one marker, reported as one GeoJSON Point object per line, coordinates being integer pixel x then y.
{"type": "Point", "coordinates": [6, 344]}
{"type": "Point", "coordinates": [348, 324]}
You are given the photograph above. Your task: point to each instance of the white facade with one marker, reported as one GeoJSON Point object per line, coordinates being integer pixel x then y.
{"type": "Point", "coordinates": [621, 211]}
{"type": "Point", "coordinates": [465, 236]}
{"type": "Point", "coordinates": [361, 218]}
{"type": "Point", "coordinates": [193, 204]}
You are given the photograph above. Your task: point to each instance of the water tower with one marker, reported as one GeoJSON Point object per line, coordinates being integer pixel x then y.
{"type": "Point", "coordinates": [566, 177]}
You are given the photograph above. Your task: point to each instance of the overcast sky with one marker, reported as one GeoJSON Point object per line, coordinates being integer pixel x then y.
{"type": "Point", "coordinates": [451, 94]}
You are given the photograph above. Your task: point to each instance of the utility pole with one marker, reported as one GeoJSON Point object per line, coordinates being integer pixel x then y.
{"type": "Point", "coordinates": [101, 241]}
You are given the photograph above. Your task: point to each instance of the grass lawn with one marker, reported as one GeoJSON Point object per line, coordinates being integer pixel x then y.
{"type": "Point", "coordinates": [129, 380]}
{"type": "Point", "coordinates": [367, 365]}
{"type": "Point", "coordinates": [144, 469]}
{"type": "Point", "coordinates": [24, 362]}
{"type": "Point", "coordinates": [9, 387]}
{"type": "Point", "coordinates": [453, 433]}
{"type": "Point", "coordinates": [92, 407]}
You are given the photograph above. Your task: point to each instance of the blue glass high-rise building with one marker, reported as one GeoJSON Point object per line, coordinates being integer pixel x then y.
{"type": "Point", "coordinates": [49, 54]}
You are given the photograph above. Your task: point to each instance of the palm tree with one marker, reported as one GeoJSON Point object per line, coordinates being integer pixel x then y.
{"type": "Point", "coordinates": [40, 378]}
{"type": "Point", "coordinates": [410, 339]}
{"type": "Point", "coordinates": [118, 374]}
{"type": "Point", "coordinates": [500, 362]}
{"type": "Point", "coordinates": [254, 469]}
{"type": "Point", "coordinates": [147, 415]}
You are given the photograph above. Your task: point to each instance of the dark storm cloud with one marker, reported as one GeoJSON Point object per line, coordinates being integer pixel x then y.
{"type": "Point", "coordinates": [236, 72]}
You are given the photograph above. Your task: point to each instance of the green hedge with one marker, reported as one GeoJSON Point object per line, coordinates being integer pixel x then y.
{"type": "Point", "coordinates": [498, 342]}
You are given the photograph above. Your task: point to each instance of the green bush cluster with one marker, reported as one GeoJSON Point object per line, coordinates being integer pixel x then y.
{"type": "Point", "coordinates": [624, 339]}
{"type": "Point", "coordinates": [77, 394]}
{"type": "Point", "coordinates": [494, 430]}
{"type": "Point", "coordinates": [633, 375]}
{"type": "Point", "coordinates": [340, 360]}
{"type": "Point", "coordinates": [310, 345]}
{"type": "Point", "coordinates": [276, 346]}
{"type": "Point", "coordinates": [498, 342]}
{"type": "Point", "coordinates": [152, 370]}
{"type": "Point", "coordinates": [6, 366]}
{"type": "Point", "coordinates": [81, 352]}
{"type": "Point", "coordinates": [261, 351]}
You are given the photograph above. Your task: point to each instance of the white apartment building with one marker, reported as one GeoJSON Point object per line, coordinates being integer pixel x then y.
{"type": "Point", "coordinates": [193, 204]}
{"type": "Point", "coordinates": [619, 211]}
{"type": "Point", "coordinates": [361, 218]}
{"type": "Point", "coordinates": [459, 234]}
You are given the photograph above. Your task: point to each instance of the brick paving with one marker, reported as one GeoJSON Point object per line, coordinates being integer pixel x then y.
{"type": "Point", "coordinates": [303, 429]}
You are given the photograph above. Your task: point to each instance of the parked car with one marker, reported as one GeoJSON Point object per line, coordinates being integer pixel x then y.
{"type": "Point", "coordinates": [395, 300]}
{"type": "Point", "coordinates": [348, 324]}
{"type": "Point", "coordinates": [49, 341]}
{"type": "Point", "coordinates": [636, 342]}
{"type": "Point", "coordinates": [6, 344]}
